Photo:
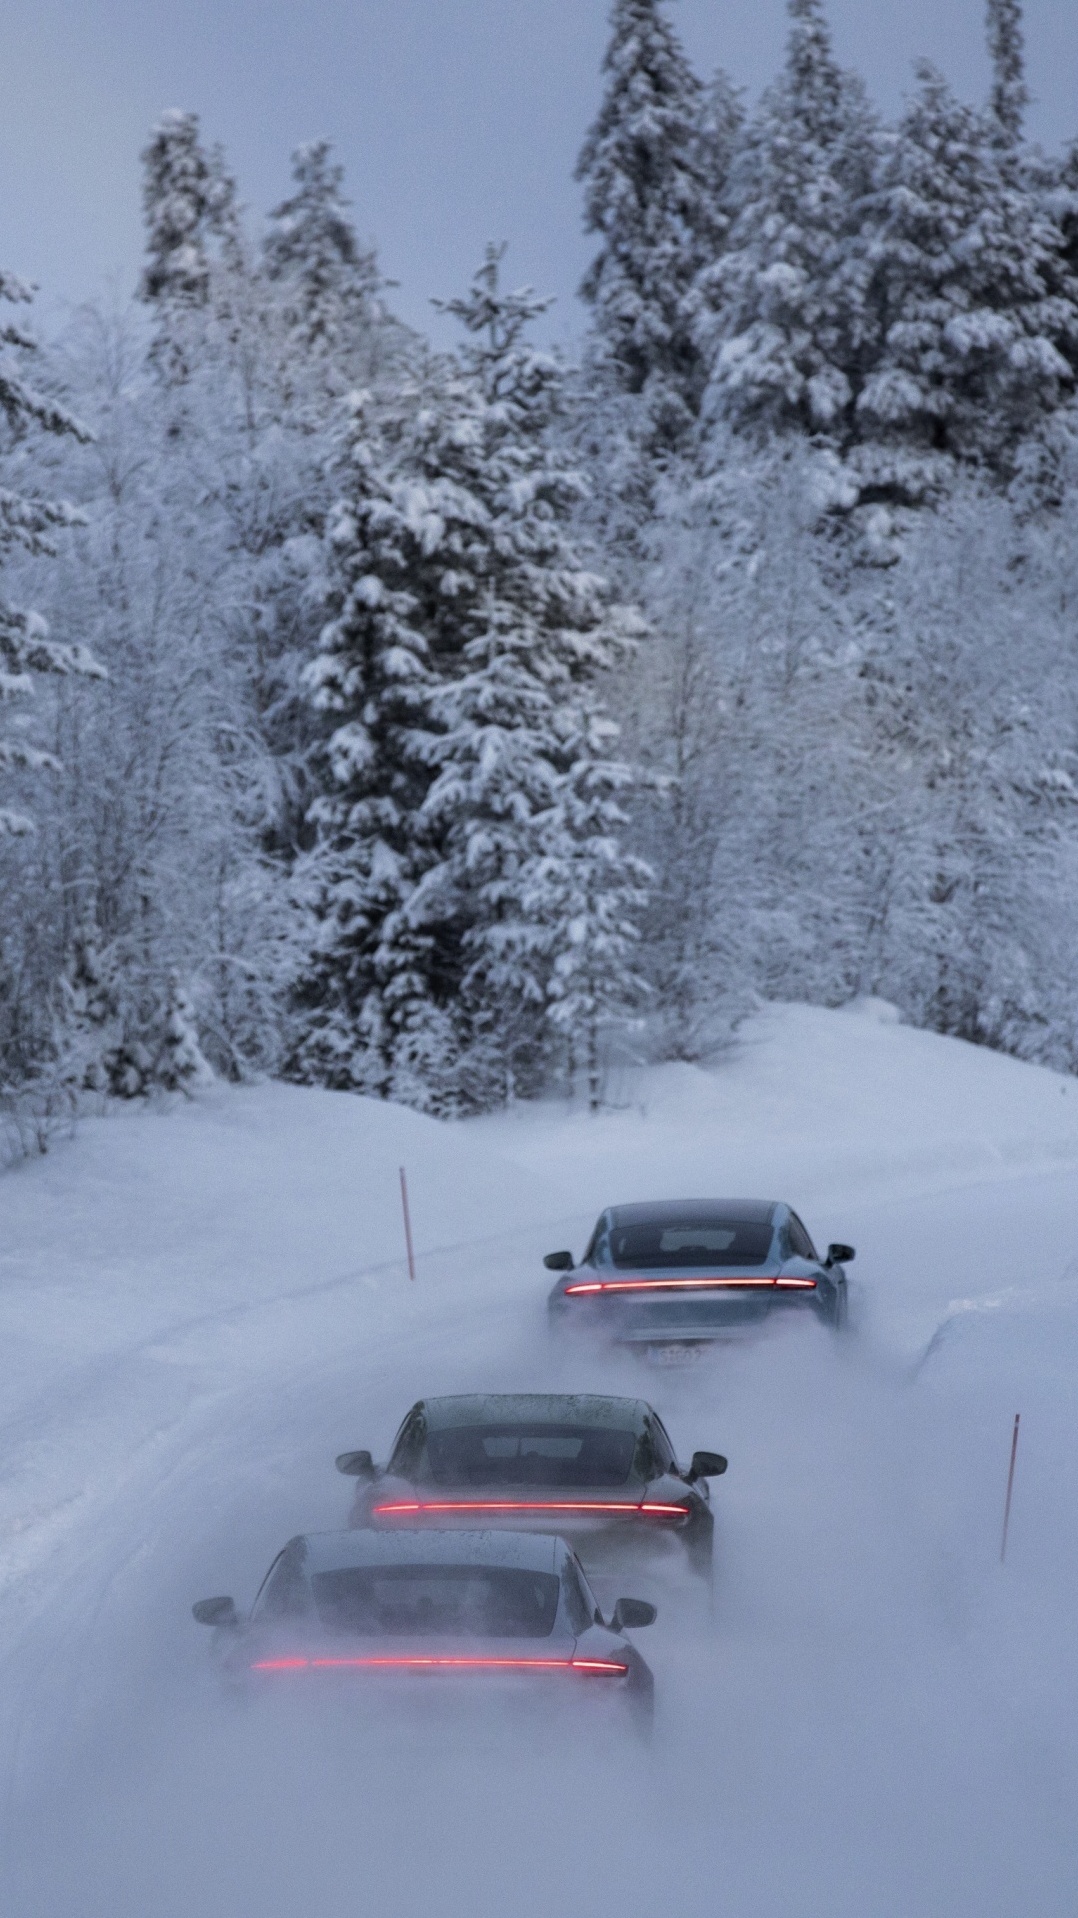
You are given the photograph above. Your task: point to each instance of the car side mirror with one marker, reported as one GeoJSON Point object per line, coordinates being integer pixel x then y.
{"type": "Point", "coordinates": [216, 1611]}
{"type": "Point", "coordinates": [356, 1465]}
{"type": "Point", "coordinates": [707, 1465]}
{"type": "Point", "coordinates": [631, 1613]}
{"type": "Point", "coordinates": [840, 1254]}
{"type": "Point", "coordinates": [559, 1262]}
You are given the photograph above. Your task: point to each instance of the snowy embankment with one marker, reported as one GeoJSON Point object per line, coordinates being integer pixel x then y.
{"type": "Point", "coordinates": [199, 1307]}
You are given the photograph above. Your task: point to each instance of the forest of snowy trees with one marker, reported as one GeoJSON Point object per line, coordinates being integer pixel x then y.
{"type": "Point", "coordinates": [441, 725]}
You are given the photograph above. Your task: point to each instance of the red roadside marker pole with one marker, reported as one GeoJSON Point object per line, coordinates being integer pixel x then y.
{"type": "Point", "coordinates": [407, 1225]}
{"type": "Point", "coordinates": [1010, 1489]}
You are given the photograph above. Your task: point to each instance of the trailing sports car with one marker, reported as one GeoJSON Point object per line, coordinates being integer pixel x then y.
{"type": "Point", "coordinates": [504, 1610]}
{"type": "Point", "coordinates": [686, 1271]}
{"type": "Point", "coordinates": [602, 1470]}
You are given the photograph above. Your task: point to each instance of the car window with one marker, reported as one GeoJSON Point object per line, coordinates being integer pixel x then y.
{"type": "Point", "coordinates": [285, 1592]}
{"type": "Point", "coordinates": [665, 1246]}
{"type": "Point", "coordinates": [472, 1601]}
{"type": "Point", "coordinates": [264, 1587]}
{"type": "Point", "coordinates": [580, 1606]}
{"type": "Point", "coordinates": [590, 1248]}
{"type": "Point", "coordinates": [408, 1446]}
{"type": "Point", "coordinates": [666, 1454]}
{"type": "Point", "coordinates": [540, 1454]}
{"type": "Point", "coordinates": [799, 1239]}
{"type": "Point", "coordinates": [646, 1463]}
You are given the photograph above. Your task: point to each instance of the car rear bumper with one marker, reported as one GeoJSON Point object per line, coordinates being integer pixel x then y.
{"type": "Point", "coordinates": [647, 1519]}
{"type": "Point", "coordinates": [691, 1323]}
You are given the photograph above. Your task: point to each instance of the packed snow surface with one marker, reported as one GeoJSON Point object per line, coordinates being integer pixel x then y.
{"type": "Point", "coordinates": [871, 1717]}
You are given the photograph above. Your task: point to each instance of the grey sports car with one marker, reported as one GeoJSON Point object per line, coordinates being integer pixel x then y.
{"type": "Point", "coordinates": [601, 1470]}
{"type": "Point", "coordinates": [501, 1610]}
{"type": "Point", "coordinates": [686, 1271]}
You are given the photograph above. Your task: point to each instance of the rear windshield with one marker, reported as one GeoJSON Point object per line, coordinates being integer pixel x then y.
{"type": "Point", "coordinates": [553, 1455]}
{"type": "Point", "coordinates": [469, 1601]}
{"type": "Point", "coordinates": [707, 1242]}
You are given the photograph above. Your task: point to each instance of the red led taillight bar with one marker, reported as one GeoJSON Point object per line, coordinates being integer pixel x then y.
{"type": "Point", "coordinates": [592, 1286]}
{"type": "Point", "coordinates": [649, 1508]}
{"type": "Point", "coordinates": [599, 1667]}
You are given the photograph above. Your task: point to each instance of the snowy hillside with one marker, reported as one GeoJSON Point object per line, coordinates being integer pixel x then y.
{"type": "Point", "coordinates": [200, 1306]}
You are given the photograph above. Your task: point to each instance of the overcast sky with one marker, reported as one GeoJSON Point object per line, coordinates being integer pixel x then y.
{"type": "Point", "coordinates": [457, 120]}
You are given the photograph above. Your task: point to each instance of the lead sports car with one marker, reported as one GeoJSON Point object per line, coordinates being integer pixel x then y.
{"type": "Point", "coordinates": [602, 1470]}
{"type": "Point", "coordinates": [507, 1611]}
{"type": "Point", "coordinates": [686, 1271]}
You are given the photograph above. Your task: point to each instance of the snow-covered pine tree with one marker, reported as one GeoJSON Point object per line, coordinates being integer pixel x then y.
{"type": "Point", "coordinates": [976, 307]}
{"type": "Point", "coordinates": [190, 213]}
{"type": "Point", "coordinates": [29, 522]}
{"type": "Point", "coordinates": [180, 1065]}
{"type": "Point", "coordinates": [526, 799]}
{"type": "Point", "coordinates": [719, 123]}
{"type": "Point", "coordinates": [1009, 97]}
{"type": "Point", "coordinates": [649, 167]}
{"type": "Point", "coordinates": [459, 669]}
{"type": "Point", "coordinates": [781, 313]}
{"type": "Point", "coordinates": [176, 197]}
{"type": "Point", "coordinates": [310, 246]}
{"type": "Point", "coordinates": [95, 1051]}
{"type": "Point", "coordinates": [375, 1001]}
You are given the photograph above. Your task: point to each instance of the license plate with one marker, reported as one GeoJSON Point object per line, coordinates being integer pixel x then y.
{"type": "Point", "coordinates": [675, 1354]}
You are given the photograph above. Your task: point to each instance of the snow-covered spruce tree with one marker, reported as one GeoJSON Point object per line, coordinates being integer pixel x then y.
{"type": "Point", "coordinates": [976, 308]}
{"type": "Point", "coordinates": [329, 283]}
{"type": "Point", "coordinates": [1010, 96]}
{"type": "Point", "coordinates": [526, 802]}
{"type": "Point", "coordinates": [180, 1065]}
{"type": "Point", "coordinates": [30, 523]}
{"type": "Point", "coordinates": [781, 314]}
{"type": "Point", "coordinates": [719, 122]}
{"type": "Point", "coordinates": [456, 664]}
{"type": "Point", "coordinates": [375, 1001]}
{"type": "Point", "coordinates": [95, 1046]}
{"type": "Point", "coordinates": [190, 213]}
{"type": "Point", "coordinates": [652, 166]}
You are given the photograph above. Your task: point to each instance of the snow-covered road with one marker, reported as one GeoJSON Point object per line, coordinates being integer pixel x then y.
{"type": "Point", "coordinates": [199, 1308]}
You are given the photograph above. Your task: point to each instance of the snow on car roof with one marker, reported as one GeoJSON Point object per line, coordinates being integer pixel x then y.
{"type": "Point", "coordinates": [743, 1211]}
{"type": "Point", "coordinates": [547, 1408]}
{"type": "Point", "coordinates": [526, 1551]}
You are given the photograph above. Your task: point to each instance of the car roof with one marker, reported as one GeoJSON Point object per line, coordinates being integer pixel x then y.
{"type": "Point", "coordinates": [524, 1551]}
{"type": "Point", "coordinates": [527, 1408]}
{"type": "Point", "coordinates": [695, 1211]}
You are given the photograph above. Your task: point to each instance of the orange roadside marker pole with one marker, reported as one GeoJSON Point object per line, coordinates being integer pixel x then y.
{"type": "Point", "coordinates": [1010, 1489]}
{"type": "Point", "coordinates": [407, 1225]}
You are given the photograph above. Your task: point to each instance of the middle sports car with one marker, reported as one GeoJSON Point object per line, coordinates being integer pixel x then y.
{"type": "Point", "coordinates": [601, 1471]}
